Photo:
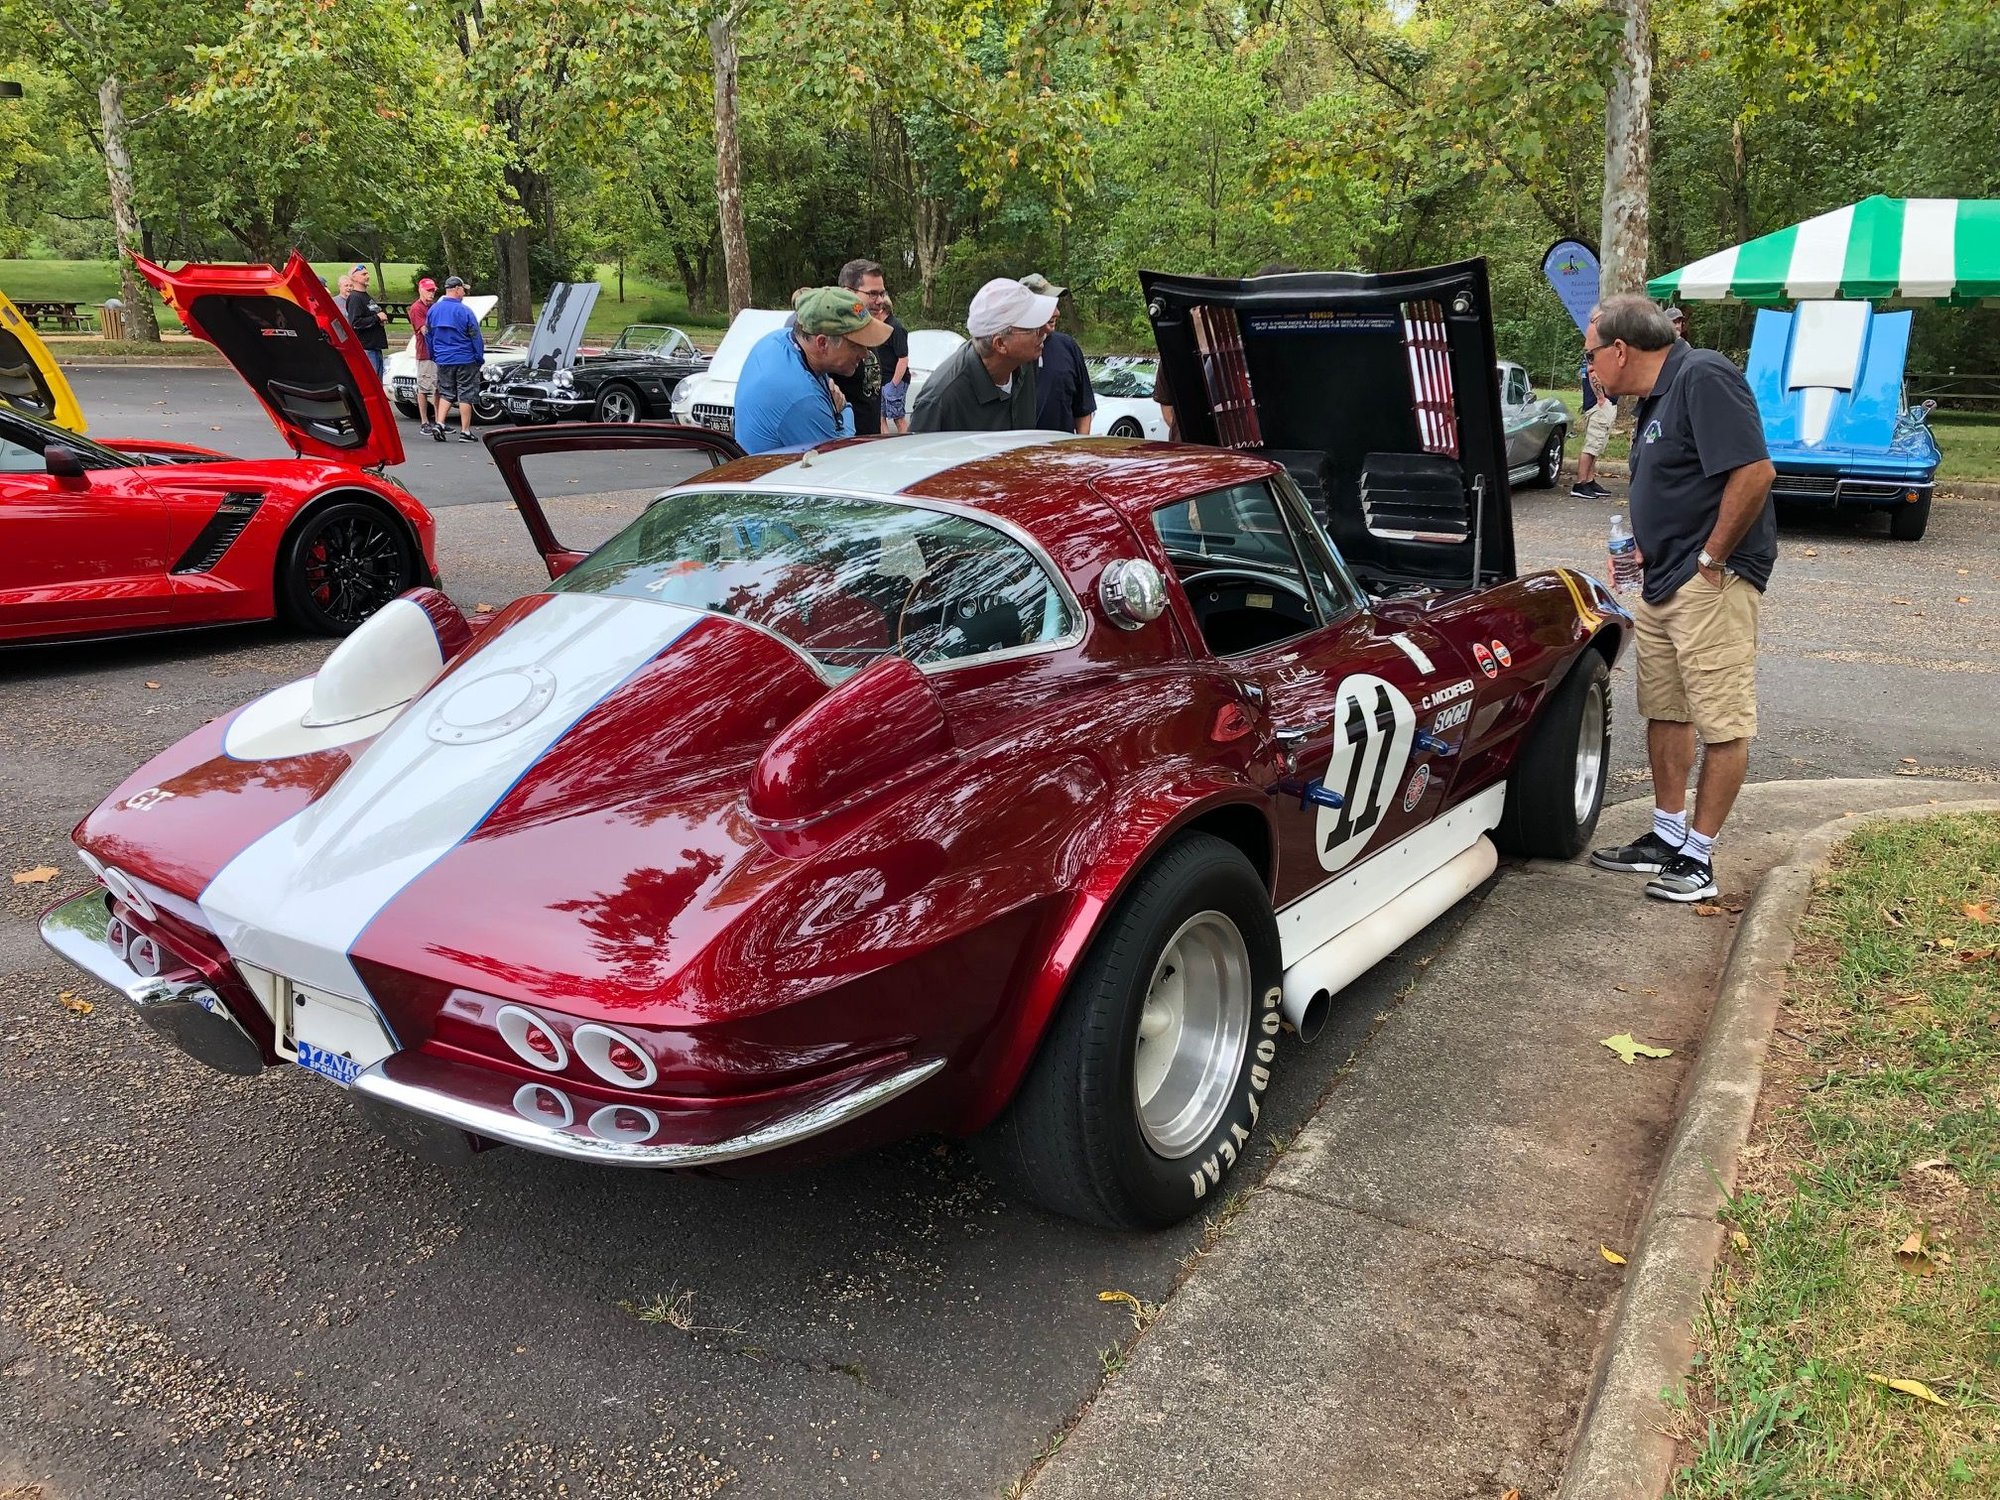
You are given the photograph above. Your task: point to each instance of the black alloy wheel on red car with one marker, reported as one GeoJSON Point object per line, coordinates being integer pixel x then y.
{"type": "Point", "coordinates": [1149, 1083]}
{"type": "Point", "coordinates": [344, 562]}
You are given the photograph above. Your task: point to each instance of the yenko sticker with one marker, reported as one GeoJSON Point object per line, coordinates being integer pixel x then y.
{"type": "Point", "coordinates": [1485, 659]}
{"type": "Point", "coordinates": [1420, 780]}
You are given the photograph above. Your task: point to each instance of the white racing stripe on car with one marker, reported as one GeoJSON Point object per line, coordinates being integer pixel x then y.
{"type": "Point", "coordinates": [296, 901]}
{"type": "Point", "coordinates": [1415, 653]}
{"type": "Point", "coordinates": [893, 465]}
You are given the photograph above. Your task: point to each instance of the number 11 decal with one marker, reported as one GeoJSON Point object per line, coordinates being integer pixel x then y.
{"type": "Point", "coordinates": [1374, 729]}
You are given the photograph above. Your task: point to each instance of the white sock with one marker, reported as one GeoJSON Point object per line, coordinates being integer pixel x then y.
{"type": "Point", "coordinates": [1671, 827]}
{"type": "Point", "coordinates": [1700, 846]}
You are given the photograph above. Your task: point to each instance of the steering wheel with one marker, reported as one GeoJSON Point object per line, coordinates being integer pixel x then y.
{"type": "Point", "coordinates": [1247, 580]}
{"type": "Point", "coordinates": [960, 592]}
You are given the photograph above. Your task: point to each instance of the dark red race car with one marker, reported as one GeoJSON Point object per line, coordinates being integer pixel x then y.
{"type": "Point", "coordinates": [1014, 785]}
{"type": "Point", "coordinates": [103, 538]}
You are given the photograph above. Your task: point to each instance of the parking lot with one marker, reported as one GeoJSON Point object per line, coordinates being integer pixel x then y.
{"type": "Point", "coordinates": [215, 1286]}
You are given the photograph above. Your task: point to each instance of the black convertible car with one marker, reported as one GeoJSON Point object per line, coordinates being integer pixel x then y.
{"type": "Point", "coordinates": [632, 381]}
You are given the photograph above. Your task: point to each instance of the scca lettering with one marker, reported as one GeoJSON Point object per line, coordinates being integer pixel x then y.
{"type": "Point", "coordinates": [1227, 1152]}
{"type": "Point", "coordinates": [1446, 694]}
{"type": "Point", "coordinates": [1452, 717]}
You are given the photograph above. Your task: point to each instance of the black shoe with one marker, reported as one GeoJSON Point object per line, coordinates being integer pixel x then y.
{"type": "Point", "coordinates": [1684, 879]}
{"type": "Point", "coordinates": [1646, 856]}
{"type": "Point", "coordinates": [1590, 489]}
{"type": "Point", "coordinates": [438, 434]}
{"type": "Point", "coordinates": [467, 437]}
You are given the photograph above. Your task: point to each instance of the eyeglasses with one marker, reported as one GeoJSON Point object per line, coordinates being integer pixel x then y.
{"type": "Point", "coordinates": [1591, 351]}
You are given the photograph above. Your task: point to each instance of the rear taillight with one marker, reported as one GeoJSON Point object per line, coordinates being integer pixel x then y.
{"type": "Point", "coordinates": [614, 1057]}
{"type": "Point", "coordinates": [532, 1039]}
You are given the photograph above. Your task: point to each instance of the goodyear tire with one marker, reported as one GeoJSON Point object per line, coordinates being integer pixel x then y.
{"type": "Point", "coordinates": [1557, 789]}
{"type": "Point", "coordinates": [1150, 1082]}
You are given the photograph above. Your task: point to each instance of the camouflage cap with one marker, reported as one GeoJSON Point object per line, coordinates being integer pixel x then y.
{"type": "Point", "coordinates": [836, 312]}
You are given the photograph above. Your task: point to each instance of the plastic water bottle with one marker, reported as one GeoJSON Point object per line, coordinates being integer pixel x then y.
{"type": "Point", "coordinates": [1624, 556]}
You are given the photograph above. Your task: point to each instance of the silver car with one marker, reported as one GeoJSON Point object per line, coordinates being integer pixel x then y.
{"type": "Point", "coordinates": [1536, 428]}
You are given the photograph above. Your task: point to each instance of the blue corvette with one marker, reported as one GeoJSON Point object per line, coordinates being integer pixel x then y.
{"type": "Point", "coordinates": [1828, 377]}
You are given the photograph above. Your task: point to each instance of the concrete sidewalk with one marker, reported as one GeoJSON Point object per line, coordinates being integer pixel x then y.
{"type": "Point", "coordinates": [1413, 1304]}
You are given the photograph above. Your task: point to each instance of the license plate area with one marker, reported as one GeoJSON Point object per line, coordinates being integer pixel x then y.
{"type": "Point", "coordinates": [519, 406]}
{"type": "Point", "coordinates": [330, 1034]}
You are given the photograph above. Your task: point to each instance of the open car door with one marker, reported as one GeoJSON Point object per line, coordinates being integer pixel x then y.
{"type": "Point", "coordinates": [1377, 392]}
{"type": "Point", "coordinates": [284, 336]}
{"type": "Point", "coordinates": [513, 447]}
{"type": "Point", "coordinates": [30, 379]}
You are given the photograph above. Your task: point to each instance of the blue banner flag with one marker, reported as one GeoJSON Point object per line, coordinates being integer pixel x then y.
{"type": "Point", "coordinates": [1571, 267]}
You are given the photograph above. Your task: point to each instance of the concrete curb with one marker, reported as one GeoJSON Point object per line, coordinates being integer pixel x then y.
{"type": "Point", "coordinates": [1965, 489]}
{"type": "Point", "coordinates": [146, 362]}
{"type": "Point", "coordinates": [1621, 1450]}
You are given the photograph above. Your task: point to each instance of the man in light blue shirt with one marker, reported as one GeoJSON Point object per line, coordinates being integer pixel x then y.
{"type": "Point", "coordinates": [782, 399]}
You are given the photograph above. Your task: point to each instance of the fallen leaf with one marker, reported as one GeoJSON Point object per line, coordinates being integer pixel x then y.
{"type": "Point", "coordinates": [1126, 1297]}
{"type": "Point", "coordinates": [1707, 909]}
{"type": "Point", "coordinates": [1979, 911]}
{"type": "Point", "coordinates": [1899, 601]}
{"type": "Point", "coordinates": [1611, 1255]}
{"type": "Point", "coordinates": [487, 609]}
{"type": "Point", "coordinates": [1909, 1388]}
{"type": "Point", "coordinates": [1627, 1049]}
{"type": "Point", "coordinates": [1909, 760]}
{"type": "Point", "coordinates": [1734, 904]}
{"type": "Point", "coordinates": [71, 1003]}
{"type": "Point", "coordinates": [1912, 1256]}
{"type": "Point", "coordinates": [152, 684]}
{"type": "Point", "coordinates": [1740, 1240]}
{"type": "Point", "coordinates": [1511, 1495]}
{"type": "Point", "coordinates": [1976, 955]}
{"type": "Point", "coordinates": [1910, 999]}
{"type": "Point", "coordinates": [1962, 599]}
{"type": "Point", "coordinates": [1962, 572]}
{"type": "Point", "coordinates": [1935, 1164]}
{"type": "Point", "coordinates": [40, 875]}
{"type": "Point", "coordinates": [1621, 989]}
{"type": "Point", "coordinates": [1812, 552]}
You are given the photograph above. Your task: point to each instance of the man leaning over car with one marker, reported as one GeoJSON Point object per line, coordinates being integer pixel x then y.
{"type": "Point", "coordinates": [988, 384]}
{"type": "Point", "coordinates": [783, 399]}
{"type": "Point", "coordinates": [1708, 538]}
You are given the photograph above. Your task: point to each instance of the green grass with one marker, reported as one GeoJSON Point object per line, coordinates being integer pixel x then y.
{"type": "Point", "coordinates": [1881, 1119]}
{"type": "Point", "coordinates": [1969, 441]}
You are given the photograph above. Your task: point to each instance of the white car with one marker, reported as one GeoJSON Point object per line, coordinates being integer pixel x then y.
{"type": "Point", "coordinates": [503, 352]}
{"type": "Point", "coordinates": [709, 398]}
{"type": "Point", "coordinates": [1125, 404]}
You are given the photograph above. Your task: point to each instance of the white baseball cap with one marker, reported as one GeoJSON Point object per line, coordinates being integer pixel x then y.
{"type": "Point", "coordinates": [1003, 304]}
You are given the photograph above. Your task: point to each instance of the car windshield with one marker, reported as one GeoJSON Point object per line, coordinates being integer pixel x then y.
{"type": "Point", "coordinates": [845, 580]}
{"type": "Point", "coordinates": [28, 438]}
{"type": "Point", "coordinates": [647, 338]}
{"type": "Point", "coordinates": [1132, 378]}
{"type": "Point", "coordinates": [514, 334]}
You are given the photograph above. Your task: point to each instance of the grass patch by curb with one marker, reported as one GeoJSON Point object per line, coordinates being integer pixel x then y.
{"type": "Point", "coordinates": [1880, 1122]}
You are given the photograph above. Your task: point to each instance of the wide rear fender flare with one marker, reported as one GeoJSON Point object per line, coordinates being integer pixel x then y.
{"type": "Point", "coordinates": [1123, 842]}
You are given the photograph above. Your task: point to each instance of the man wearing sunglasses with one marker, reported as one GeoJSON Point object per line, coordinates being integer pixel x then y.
{"type": "Point", "coordinates": [1708, 538]}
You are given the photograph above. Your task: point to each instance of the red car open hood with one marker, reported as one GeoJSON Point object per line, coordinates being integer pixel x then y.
{"type": "Point", "coordinates": [283, 334]}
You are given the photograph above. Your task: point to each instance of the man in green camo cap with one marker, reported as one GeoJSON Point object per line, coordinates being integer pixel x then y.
{"type": "Point", "coordinates": [782, 396]}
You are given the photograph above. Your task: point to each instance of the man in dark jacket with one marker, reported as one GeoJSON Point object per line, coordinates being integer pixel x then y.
{"type": "Point", "coordinates": [1064, 401]}
{"type": "Point", "coordinates": [364, 316]}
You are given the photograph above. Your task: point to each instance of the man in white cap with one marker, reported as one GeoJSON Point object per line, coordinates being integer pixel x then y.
{"type": "Point", "coordinates": [988, 385]}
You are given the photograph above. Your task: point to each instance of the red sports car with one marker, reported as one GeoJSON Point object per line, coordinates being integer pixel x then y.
{"type": "Point", "coordinates": [1013, 785]}
{"type": "Point", "coordinates": [102, 538]}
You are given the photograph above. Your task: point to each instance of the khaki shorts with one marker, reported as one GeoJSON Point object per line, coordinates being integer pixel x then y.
{"type": "Point", "coordinates": [1597, 427]}
{"type": "Point", "coordinates": [1698, 658]}
{"type": "Point", "coordinates": [427, 376]}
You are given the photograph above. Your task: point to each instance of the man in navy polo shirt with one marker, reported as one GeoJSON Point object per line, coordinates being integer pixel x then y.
{"type": "Point", "coordinates": [1708, 539]}
{"type": "Point", "coordinates": [782, 396]}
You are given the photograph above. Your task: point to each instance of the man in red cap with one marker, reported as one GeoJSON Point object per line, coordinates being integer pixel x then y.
{"type": "Point", "coordinates": [427, 370]}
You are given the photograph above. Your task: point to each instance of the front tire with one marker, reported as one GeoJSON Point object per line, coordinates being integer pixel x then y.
{"type": "Point", "coordinates": [342, 563]}
{"type": "Point", "coordinates": [618, 403]}
{"type": "Point", "coordinates": [1125, 427]}
{"type": "Point", "coordinates": [1548, 473]}
{"type": "Point", "coordinates": [1150, 1081]}
{"type": "Point", "coordinates": [1909, 521]}
{"type": "Point", "coordinates": [488, 409]}
{"type": "Point", "coordinates": [1557, 789]}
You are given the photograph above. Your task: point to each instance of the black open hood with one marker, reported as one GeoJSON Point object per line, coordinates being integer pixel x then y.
{"type": "Point", "coordinates": [1377, 392]}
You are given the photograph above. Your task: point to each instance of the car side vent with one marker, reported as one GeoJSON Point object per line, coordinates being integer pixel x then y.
{"type": "Point", "coordinates": [1415, 497]}
{"type": "Point", "coordinates": [220, 533]}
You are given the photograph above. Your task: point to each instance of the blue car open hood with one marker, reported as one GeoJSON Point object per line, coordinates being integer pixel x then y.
{"type": "Point", "coordinates": [1828, 378]}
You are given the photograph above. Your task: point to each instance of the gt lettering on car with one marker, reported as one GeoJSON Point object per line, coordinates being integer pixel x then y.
{"type": "Point", "coordinates": [1374, 726]}
{"type": "Point", "coordinates": [144, 801]}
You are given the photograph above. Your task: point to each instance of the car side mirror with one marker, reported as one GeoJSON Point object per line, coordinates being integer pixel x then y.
{"type": "Point", "coordinates": [63, 461]}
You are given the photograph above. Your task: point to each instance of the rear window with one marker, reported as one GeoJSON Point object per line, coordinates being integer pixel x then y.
{"type": "Point", "coordinates": [846, 580]}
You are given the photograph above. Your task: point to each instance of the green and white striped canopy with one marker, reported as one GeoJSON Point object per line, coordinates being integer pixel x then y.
{"type": "Point", "coordinates": [1917, 249]}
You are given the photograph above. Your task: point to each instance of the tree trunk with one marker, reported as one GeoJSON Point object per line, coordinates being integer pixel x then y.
{"type": "Point", "coordinates": [1628, 109]}
{"type": "Point", "coordinates": [139, 320]}
{"type": "Point", "coordinates": [933, 239]}
{"type": "Point", "coordinates": [729, 158]}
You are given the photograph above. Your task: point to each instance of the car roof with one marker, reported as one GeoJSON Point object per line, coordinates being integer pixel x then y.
{"type": "Point", "coordinates": [1029, 478]}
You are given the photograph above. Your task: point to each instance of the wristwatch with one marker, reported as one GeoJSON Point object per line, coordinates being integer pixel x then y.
{"type": "Point", "coordinates": [1704, 560]}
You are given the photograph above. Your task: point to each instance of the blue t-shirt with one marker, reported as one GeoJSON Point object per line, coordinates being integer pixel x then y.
{"type": "Point", "coordinates": [453, 333]}
{"type": "Point", "coordinates": [780, 403]}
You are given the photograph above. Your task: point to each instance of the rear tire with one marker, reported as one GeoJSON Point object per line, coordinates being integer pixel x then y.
{"type": "Point", "coordinates": [1549, 472]}
{"type": "Point", "coordinates": [342, 563]}
{"type": "Point", "coordinates": [1557, 788]}
{"type": "Point", "coordinates": [1148, 1086]}
{"type": "Point", "coordinates": [1125, 427]}
{"type": "Point", "coordinates": [1907, 522]}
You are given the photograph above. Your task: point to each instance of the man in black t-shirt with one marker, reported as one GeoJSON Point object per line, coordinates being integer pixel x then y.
{"type": "Point", "coordinates": [364, 315]}
{"type": "Point", "coordinates": [1708, 539]}
{"type": "Point", "coordinates": [1064, 401]}
{"type": "Point", "coordinates": [863, 389]}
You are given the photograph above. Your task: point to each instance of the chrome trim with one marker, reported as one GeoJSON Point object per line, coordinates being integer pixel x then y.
{"type": "Point", "coordinates": [513, 1130]}
{"type": "Point", "coordinates": [187, 1013]}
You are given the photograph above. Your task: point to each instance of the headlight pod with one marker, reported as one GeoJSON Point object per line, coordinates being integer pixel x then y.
{"type": "Point", "coordinates": [562, 380]}
{"type": "Point", "coordinates": [680, 389]}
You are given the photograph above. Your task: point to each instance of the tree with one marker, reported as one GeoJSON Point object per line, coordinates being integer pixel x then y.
{"type": "Point", "coordinates": [1624, 228]}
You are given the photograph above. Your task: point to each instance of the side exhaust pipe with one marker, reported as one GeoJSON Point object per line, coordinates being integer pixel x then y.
{"type": "Point", "coordinates": [1312, 982]}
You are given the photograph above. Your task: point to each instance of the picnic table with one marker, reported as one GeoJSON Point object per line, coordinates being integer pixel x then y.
{"type": "Point", "coordinates": [68, 317]}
